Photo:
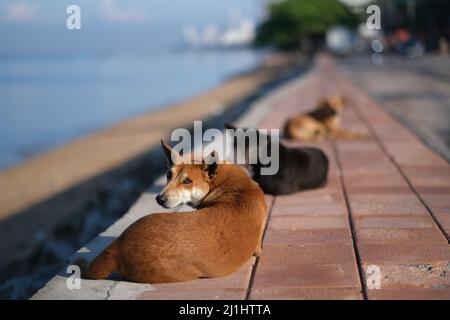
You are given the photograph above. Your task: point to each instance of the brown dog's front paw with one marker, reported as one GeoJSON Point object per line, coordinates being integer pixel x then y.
{"type": "Point", "coordinates": [258, 252]}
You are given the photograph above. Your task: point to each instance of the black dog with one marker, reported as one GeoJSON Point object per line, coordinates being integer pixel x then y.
{"type": "Point", "coordinates": [299, 168]}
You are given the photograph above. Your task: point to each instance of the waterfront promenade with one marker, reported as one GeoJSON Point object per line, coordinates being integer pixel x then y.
{"type": "Point", "coordinates": [380, 229]}
{"type": "Point", "coordinates": [58, 189]}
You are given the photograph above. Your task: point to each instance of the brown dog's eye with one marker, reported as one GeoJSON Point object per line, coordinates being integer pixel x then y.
{"type": "Point", "coordinates": [187, 181]}
{"type": "Point", "coordinates": [169, 175]}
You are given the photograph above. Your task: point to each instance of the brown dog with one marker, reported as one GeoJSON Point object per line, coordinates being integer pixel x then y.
{"type": "Point", "coordinates": [322, 123]}
{"type": "Point", "coordinates": [212, 241]}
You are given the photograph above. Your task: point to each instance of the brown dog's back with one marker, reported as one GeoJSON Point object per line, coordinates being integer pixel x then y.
{"type": "Point", "coordinates": [212, 241]}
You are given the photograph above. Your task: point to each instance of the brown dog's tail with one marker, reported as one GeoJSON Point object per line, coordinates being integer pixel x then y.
{"type": "Point", "coordinates": [102, 266]}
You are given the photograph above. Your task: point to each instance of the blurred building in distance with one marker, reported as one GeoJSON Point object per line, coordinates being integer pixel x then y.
{"type": "Point", "coordinates": [240, 32]}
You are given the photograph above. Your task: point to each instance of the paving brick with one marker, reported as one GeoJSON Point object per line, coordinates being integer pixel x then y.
{"type": "Point", "coordinates": [307, 222]}
{"type": "Point", "coordinates": [351, 159]}
{"type": "Point", "coordinates": [319, 209]}
{"type": "Point", "coordinates": [380, 191]}
{"type": "Point", "coordinates": [433, 190]}
{"type": "Point", "coordinates": [325, 195]}
{"type": "Point", "coordinates": [394, 222]}
{"type": "Point", "coordinates": [363, 157]}
{"type": "Point", "coordinates": [194, 294]}
{"type": "Point", "coordinates": [311, 266]}
{"type": "Point", "coordinates": [306, 276]}
{"type": "Point", "coordinates": [354, 171]}
{"type": "Point", "coordinates": [357, 161]}
{"type": "Point", "coordinates": [403, 253]}
{"type": "Point", "coordinates": [423, 160]}
{"type": "Point", "coordinates": [321, 236]}
{"type": "Point", "coordinates": [306, 294]}
{"type": "Point", "coordinates": [375, 179]}
{"type": "Point", "coordinates": [383, 203]}
{"type": "Point", "coordinates": [358, 146]}
{"type": "Point", "coordinates": [429, 175]}
{"type": "Point", "coordinates": [385, 197]}
{"type": "Point", "coordinates": [395, 236]}
{"type": "Point", "coordinates": [429, 170]}
{"type": "Point", "coordinates": [407, 155]}
{"type": "Point", "coordinates": [307, 254]}
{"type": "Point", "coordinates": [439, 202]}
{"type": "Point", "coordinates": [380, 207]}
{"type": "Point", "coordinates": [410, 294]}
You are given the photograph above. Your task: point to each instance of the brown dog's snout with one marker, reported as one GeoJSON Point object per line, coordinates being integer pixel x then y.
{"type": "Point", "coordinates": [161, 199]}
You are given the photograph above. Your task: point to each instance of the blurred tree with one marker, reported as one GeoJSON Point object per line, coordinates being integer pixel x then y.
{"type": "Point", "coordinates": [302, 24]}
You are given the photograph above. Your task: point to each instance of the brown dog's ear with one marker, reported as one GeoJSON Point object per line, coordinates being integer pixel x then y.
{"type": "Point", "coordinates": [230, 126]}
{"type": "Point", "coordinates": [210, 164]}
{"type": "Point", "coordinates": [171, 155]}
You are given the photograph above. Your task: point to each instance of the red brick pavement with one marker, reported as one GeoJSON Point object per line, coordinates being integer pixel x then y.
{"type": "Point", "coordinates": [387, 204]}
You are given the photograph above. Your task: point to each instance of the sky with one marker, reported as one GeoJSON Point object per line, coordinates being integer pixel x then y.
{"type": "Point", "coordinates": [39, 26]}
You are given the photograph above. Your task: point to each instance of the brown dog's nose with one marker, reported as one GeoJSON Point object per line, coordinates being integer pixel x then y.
{"type": "Point", "coordinates": [161, 199]}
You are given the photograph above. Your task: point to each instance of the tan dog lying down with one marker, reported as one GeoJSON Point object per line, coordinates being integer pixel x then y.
{"type": "Point", "coordinates": [324, 122]}
{"type": "Point", "coordinates": [212, 241]}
